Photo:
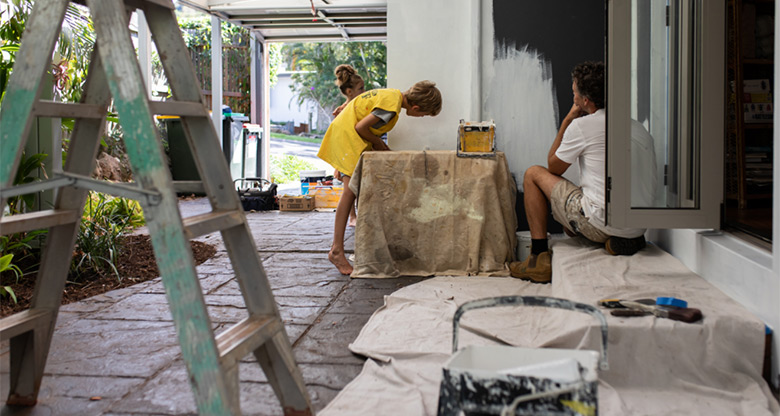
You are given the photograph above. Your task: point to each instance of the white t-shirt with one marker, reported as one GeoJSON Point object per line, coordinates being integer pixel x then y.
{"type": "Point", "coordinates": [585, 140]}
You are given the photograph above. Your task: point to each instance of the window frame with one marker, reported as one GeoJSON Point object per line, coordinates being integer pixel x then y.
{"type": "Point", "coordinates": [707, 168]}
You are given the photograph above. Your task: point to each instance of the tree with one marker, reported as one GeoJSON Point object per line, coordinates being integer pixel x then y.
{"type": "Point", "coordinates": [317, 61]}
{"type": "Point", "coordinates": [71, 54]}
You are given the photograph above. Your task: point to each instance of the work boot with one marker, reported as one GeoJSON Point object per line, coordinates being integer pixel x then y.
{"type": "Point", "coordinates": [618, 246]}
{"type": "Point", "coordinates": [536, 268]}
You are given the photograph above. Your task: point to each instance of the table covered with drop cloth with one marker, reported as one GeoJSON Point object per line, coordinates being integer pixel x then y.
{"type": "Point", "coordinates": [427, 213]}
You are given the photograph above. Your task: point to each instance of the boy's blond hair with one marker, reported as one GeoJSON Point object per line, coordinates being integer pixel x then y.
{"type": "Point", "coordinates": [425, 95]}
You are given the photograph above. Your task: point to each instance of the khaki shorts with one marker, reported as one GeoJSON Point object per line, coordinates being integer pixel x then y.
{"type": "Point", "coordinates": [566, 204]}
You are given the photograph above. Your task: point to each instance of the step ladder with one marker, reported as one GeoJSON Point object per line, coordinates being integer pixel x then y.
{"type": "Point", "coordinates": [212, 362]}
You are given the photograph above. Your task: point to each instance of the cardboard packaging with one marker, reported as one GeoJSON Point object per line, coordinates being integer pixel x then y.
{"type": "Point", "coordinates": [296, 203]}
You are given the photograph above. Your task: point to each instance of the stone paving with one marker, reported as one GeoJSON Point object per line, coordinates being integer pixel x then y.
{"type": "Point", "coordinates": [121, 347]}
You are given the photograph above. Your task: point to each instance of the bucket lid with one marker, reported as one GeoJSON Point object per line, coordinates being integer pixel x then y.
{"type": "Point", "coordinates": [311, 173]}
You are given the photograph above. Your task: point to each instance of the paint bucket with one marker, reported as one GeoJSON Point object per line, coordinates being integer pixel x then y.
{"type": "Point", "coordinates": [524, 244]}
{"type": "Point", "coordinates": [310, 178]}
{"type": "Point", "coordinates": [501, 379]}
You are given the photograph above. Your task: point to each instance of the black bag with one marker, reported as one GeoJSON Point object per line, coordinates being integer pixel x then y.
{"type": "Point", "coordinates": [256, 194]}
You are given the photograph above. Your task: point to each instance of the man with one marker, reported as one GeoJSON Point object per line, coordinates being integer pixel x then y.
{"type": "Point", "coordinates": [582, 137]}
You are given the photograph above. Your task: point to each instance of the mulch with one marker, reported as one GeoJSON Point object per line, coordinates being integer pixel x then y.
{"type": "Point", "coordinates": [136, 264]}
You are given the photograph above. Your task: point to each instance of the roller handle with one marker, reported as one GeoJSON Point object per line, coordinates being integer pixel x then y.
{"type": "Point", "coordinates": [687, 315]}
{"type": "Point", "coordinates": [542, 301]}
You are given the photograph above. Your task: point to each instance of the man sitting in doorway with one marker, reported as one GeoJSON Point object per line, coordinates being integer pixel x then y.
{"type": "Point", "coordinates": [582, 137]}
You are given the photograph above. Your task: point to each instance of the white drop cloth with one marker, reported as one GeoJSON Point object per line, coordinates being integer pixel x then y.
{"type": "Point", "coordinates": [657, 366]}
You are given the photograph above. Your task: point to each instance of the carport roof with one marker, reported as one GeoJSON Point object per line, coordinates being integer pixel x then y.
{"type": "Point", "coordinates": [303, 20]}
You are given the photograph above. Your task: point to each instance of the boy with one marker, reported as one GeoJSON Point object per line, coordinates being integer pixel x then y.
{"type": "Point", "coordinates": [358, 129]}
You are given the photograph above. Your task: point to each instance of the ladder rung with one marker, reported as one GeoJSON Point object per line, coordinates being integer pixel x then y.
{"type": "Point", "coordinates": [68, 110]}
{"type": "Point", "coordinates": [37, 220]}
{"type": "Point", "coordinates": [246, 336]}
{"type": "Point", "coordinates": [24, 321]}
{"type": "Point", "coordinates": [189, 187]}
{"type": "Point", "coordinates": [139, 4]}
{"type": "Point", "coordinates": [209, 222]}
{"type": "Point", "coordinates": [178, 108]}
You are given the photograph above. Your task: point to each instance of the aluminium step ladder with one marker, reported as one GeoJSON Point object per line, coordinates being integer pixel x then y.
{"type": "Point", "coordinates": [212, 362]}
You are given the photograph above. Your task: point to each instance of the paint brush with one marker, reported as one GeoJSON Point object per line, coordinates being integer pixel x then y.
{"type": "Point", "coordinates": [677, 314]}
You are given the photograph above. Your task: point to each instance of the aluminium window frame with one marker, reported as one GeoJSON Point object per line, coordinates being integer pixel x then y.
{"type": "Point", "coordinates": [706, 125]}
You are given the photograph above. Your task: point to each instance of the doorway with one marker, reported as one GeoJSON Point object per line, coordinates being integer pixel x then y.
{"type": "Point", "coordinates": [748, 169]}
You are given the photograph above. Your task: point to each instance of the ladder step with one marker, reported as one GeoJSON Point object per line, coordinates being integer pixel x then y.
{"type": "Point", "coordinates": [140, 4]}
{"type": "Point", "coordinates": [209, 222]}
{"type": "Point", "coordinates": [178, 108]}
{"type": "Point", "coordinates": [188, 187]}
{"type": "Point", "coordinates": [37, 220]}
{"type": "Point", "coordinates": [44, 108]}
{"type": "Point", "coordinates": [24, 321]}
{"type": "Point", "coordinates": [246, 336]}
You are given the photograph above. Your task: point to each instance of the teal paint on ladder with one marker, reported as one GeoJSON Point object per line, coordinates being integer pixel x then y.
{"type": "Point", "coordinates": [16, 109]}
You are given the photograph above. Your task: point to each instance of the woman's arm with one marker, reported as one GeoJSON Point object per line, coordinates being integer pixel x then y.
{"type": "Point", "coordinates": [340, 108]}
{"type": "Point", "coordinates": [362, 129]}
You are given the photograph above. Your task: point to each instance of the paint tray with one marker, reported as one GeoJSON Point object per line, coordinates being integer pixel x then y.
{"type": "Point", "coordinates": [505, 380]}
{"type": "Point", "coordinates": [476, 139]}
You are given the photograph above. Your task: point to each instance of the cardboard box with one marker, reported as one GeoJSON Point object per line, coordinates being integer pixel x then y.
{"type": "Point", "coordinates": [326, 196]}
{"type": "Point", "coordinates": [296, 203]}
{"type": "Point", "coordinates": [758, 113]}
{"type": "Point", "coordinates": [757, 97]}
{"type": "Point", "coordinates": [754, 86]}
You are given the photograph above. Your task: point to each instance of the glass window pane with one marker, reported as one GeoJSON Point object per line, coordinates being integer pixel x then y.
{"type": "Point", "coordinates": [662, 102]}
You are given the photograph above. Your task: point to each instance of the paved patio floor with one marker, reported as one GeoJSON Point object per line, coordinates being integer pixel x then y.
{"type": "Point", "coordinates": [118, 354]}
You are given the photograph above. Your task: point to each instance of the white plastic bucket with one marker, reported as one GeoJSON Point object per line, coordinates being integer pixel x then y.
{"type": "Point", "coordinates": [311, 174]}
{"type": "Point", "coordinates": [524, 244]}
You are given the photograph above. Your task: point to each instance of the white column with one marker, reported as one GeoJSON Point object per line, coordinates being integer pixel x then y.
{"type": "Point", "coordinates": [144, 51]}
{"type": "Point", "coordinates": [216, 75]}
{"type": "Point", "coordinates": [265, 108]}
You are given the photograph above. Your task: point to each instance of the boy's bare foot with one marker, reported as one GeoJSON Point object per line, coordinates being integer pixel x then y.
{"type": "Point", "coordinates": [352, 222]}
{"type": "Point", "coordinates": [340, 261]}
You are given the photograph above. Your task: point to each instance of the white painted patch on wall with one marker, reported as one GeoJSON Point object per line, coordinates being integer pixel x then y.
{"type": "Point", "coordinates": [520, 97]}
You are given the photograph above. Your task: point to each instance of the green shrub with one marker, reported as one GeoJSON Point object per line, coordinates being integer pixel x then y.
{"type": "Point", "coordinates": [7, 265]}
{"type": "Point", "coordinates": [285, 169]}
{"type": "Point", "coordinates": [20, 246]}
{"type": "Point", "coordinates": [104, 222]}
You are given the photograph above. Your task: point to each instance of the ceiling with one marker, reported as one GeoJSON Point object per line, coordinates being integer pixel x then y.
{"type": "Point", "coordinates": [303, 20]}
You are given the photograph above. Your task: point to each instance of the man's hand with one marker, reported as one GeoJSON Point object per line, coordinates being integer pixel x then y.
{"type": "Point", "coordinates": [555, 165]}
{"type": "Point", "coordinates": [576, 112]}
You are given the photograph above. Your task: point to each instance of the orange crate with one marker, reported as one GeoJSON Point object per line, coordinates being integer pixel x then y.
{"type": "Point", "coordinates": [326, 196]}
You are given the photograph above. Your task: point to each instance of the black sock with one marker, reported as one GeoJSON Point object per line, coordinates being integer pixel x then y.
{"type": "Point", "coordinates": [538, 245]}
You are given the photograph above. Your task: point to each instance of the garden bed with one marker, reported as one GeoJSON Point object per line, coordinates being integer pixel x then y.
{"type": "Point", "coordinates": [136, 264]}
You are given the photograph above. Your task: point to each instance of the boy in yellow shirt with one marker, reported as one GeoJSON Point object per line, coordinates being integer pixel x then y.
{"type": "Point", "coordinates": [358, 129]}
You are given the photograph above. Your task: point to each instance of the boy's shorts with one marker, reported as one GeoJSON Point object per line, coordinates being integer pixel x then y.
{"type": "Point", "coordinates": [566, 204]}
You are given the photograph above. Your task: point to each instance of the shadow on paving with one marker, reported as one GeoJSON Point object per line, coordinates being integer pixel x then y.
{"type": "Point", "coordinates": [118, 354]}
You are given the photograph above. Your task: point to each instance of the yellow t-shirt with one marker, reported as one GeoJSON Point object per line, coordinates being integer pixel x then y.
{"type": "Point", "coordinates": [342, 145]}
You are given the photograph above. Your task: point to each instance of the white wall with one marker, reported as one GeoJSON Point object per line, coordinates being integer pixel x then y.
{"type": "Point", "coordinates": [451, 43]}
{"type": "Point", "coordinates": [431, 40]}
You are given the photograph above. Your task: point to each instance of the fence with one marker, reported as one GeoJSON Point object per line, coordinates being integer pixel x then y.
{"type": "Point", "coordinates": [235, 75]}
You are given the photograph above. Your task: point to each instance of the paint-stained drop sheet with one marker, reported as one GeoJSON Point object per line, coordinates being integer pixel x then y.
{"type": "Point", "coordinates": [428, 213]}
